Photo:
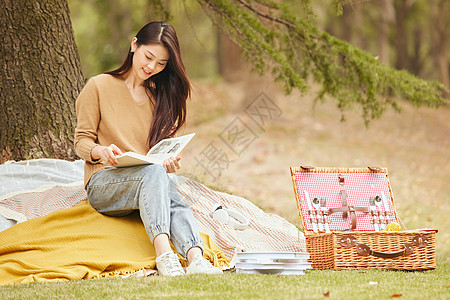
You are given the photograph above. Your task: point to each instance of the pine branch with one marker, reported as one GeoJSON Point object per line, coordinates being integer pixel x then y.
{"type": "Point", "coordinates": [257, 12]}
{"type": "Point", "coordinates": [271, 36]}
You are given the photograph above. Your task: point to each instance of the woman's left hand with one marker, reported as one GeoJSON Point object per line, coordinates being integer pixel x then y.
{"type": "Point", "coordinates": [172, 164]}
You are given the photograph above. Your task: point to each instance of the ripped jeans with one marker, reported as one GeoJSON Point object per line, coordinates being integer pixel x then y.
{"type": "Point", "coordinates": [119, 191]}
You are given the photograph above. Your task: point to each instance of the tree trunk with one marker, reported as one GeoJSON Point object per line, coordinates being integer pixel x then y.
{"type": "Point", "coordinates": [441, 23]}
{"type": "Point", "coordinates": [401, 42]}
{"type": "Point", "coordinates": [230, 63]}
{"type": "Point", "coordinates": [353, 23]}
{"type": "Point", "coordinates": [416, 60]}
{"type": "Point", "coordinates": [383, 30]}
{"type": "Point", "coordinates": [40, 78]}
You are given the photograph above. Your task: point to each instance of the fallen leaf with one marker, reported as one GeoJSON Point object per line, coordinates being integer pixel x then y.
{"type": "Point", "coordinates": [326, 294]}
{"type": "Point", "coordinates": [397, 296]}
{"type": "Point", "coordinates": [448, 286]}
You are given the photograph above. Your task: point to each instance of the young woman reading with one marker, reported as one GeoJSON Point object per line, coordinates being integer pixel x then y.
{"type": "Point", "coordinates": [131, 109]}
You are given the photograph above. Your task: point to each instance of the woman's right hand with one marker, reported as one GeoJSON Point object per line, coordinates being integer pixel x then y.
{"type": "Point", "coordinates": [106, 154]}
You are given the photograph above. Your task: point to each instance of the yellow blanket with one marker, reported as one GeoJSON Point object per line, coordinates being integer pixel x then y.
{"type": "Point", "coordinates": [80, 243]}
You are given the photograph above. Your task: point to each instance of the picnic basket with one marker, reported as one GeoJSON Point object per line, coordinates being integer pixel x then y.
{"type": "Point", "coordinates": [343, 212]}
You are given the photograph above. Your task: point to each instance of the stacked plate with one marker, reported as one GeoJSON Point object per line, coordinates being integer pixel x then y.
{"type": "Point", "coordinates": [283, 263]}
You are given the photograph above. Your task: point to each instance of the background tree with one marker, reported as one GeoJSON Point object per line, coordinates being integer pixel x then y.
{"type": "Point", "coordinates": [41, 72]}
{"type": "Point", "coordinates": [440, 36]}
{"type": "Point", "coordinates": [413, 33]}
{"type": "Point", "coordinates": [383, 30]}
{"type": "Point", "coordinates": [40, 79]}
{"type": "Point", "coordinates": [294, 48]}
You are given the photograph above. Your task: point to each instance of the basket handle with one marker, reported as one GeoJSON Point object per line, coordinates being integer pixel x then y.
{"type": "Point", "coordinates": [364, 250]}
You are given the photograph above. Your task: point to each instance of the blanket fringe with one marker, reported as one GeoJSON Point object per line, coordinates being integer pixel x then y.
{"type": "Point", "coordinates": [143, 272]}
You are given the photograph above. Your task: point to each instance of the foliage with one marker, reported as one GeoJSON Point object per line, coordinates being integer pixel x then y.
{"type": "Point", "coordinates": [372, 22]}
{"type": "Point", "coordinates": [273, 38]}
{"type": "Point", "coordinates": [103, 30]}
{"type": "Point", "coordinates": [359, 284]}
{"type": "Point", "coordinates": [340, 6]}
{"type": "Point", "coordinates": [279, 37]}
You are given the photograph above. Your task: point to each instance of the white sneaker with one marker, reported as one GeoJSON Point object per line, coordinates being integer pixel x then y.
{"type": "Point", "coordinates": [168, 264]}
{"type": "Point", "coordinates": [201, 265]}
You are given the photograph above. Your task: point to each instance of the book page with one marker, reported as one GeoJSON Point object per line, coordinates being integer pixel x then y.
{"type": "Point", "coordinates": [169, 147]}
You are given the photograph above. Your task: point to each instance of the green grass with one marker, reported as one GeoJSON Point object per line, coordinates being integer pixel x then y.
{"type": "Point", "coordinates": [357, 284]}
{"type": "Point", "coordinates": [413, 145]}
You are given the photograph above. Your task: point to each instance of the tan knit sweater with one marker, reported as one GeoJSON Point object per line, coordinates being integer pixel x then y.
{"type": "Point", "coordinates": [107, 114]}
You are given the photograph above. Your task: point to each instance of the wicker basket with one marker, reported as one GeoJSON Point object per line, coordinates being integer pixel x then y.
{"type": "Point", "coordinates": [357, 249]}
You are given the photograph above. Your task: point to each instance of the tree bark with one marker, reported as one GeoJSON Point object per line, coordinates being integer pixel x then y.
{"type": "Point", "coordinates": [40, 80]}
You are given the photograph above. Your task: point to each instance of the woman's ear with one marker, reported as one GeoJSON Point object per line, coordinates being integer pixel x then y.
{"type": "Point", "coordinates": [133, 44]}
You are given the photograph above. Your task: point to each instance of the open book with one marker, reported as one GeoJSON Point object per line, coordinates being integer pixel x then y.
{"type": "Point", "coordinates": [161, 151]}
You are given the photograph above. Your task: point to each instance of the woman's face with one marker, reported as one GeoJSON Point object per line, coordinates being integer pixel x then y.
{"type": "Point", "coordinates": [148, 60]}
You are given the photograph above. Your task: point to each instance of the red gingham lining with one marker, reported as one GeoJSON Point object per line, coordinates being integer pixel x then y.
{"type": "Point", "coordinates": [360, 187]}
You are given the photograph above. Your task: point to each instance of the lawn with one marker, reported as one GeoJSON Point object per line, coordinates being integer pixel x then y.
{"type": "Point", "coordinates": [316, 284]}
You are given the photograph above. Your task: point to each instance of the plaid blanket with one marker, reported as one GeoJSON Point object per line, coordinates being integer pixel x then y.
{"type": "Point", "coordinates": [35, 188]}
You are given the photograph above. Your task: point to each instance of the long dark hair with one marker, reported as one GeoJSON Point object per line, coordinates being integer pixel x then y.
{"type": "Point", "coordinates": [169, 89]}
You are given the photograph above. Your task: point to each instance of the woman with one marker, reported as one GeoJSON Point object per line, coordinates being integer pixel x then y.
{"type": "Point", "coordinates": [131, 109]}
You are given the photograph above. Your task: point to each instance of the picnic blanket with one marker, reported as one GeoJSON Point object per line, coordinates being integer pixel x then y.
{"type": "Point", "coordinates": [80, 243]}
{"type": "Point", "coordinates": [36, 188]}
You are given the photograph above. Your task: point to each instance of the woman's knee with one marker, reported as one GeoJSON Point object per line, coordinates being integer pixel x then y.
{"type": "Point", "coordinates": [155, 172]}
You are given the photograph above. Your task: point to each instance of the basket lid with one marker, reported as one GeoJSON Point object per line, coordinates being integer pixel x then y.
{"type": "Point", "coordinates": [341, 199]}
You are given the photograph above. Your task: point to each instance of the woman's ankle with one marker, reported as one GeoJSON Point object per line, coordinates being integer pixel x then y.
{"type": "Point", "coordinates": [161, 244]}
{"type": "Point", "coordinates": [193, 252]}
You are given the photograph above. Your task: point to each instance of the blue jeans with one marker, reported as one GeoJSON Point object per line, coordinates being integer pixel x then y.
{"type": "Point", "coordinates": [119, 191]}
